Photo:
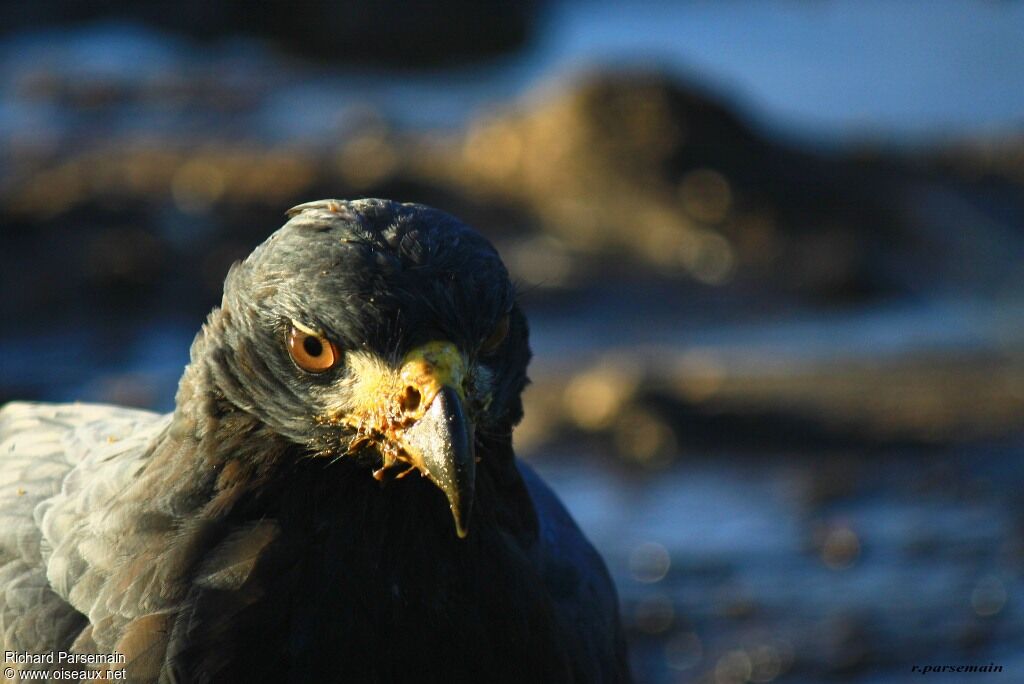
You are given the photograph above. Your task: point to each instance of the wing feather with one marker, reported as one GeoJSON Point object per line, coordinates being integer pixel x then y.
{"type": "Point", "coordinates": [59, 466]}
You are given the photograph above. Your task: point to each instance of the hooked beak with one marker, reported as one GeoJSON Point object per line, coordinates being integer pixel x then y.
{"type": "Point", "coordinates": [441, 446]}
{"type": "Point", "coordinates": [415, 416]}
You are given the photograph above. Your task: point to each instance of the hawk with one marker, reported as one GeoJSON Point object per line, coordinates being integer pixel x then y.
{"type": "Point", "coordinates": [335, 497]}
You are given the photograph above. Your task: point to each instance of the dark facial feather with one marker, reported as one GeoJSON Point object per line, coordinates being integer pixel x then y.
{"type": "Point", "coordinates": [378, 278]}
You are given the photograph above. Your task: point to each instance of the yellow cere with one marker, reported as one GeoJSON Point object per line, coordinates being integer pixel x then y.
{"type": "Point", "coordinates": [384, 401]}
{"type": "Point", "coordinates": [433, 366]}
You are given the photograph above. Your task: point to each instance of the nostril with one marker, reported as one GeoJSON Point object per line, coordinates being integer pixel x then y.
{"type": "Point", "coordinates": [410, 400]}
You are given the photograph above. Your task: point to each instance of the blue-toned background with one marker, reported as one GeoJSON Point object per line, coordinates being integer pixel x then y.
{"type": "Point", "coordinates": [772, 253]}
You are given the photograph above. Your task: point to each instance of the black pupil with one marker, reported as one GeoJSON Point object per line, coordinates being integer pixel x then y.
{"type": "Point", "coordinates": [313, 346]}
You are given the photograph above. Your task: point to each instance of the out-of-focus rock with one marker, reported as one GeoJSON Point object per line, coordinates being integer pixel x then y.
{"type": "Point", "coordinates": [94, 229]}
{"type": "Point", "coordinates": [96, 232]}
{"type": "Point", "coordinates": [610, 191]}
{"type": "Point", "coordinates": [985, 159]}
{"type": "Point", "coordinates": [668, 404]}
{"type": "Point", "coordinates": [395, 33]}
{"type": "Point", "coordinates": [608, 177]}
{"type": "Point", "coordinates": [638, 167]}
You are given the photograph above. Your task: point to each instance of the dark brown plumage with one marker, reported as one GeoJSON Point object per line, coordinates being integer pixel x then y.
{"type": "Point", "coordinates": [275, 527]}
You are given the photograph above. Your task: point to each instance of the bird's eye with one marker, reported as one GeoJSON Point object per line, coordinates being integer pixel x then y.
{"type": "Point", "coordinates": [496, 337]}
{"type": "Point", "coordinates": [311, 352]}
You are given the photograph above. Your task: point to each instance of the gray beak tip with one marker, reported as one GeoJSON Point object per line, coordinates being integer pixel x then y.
{"type": "Point", "coordinates": [444, 441]}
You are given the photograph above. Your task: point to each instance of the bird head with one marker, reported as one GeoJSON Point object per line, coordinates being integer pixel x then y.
{"type": "Point", "coordinates": [381, 332]}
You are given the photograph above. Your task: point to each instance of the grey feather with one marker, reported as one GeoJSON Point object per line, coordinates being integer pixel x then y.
{"type": "Point", "coordinates": [195, 542]}
{"type": "Point", "coordinates": [60, 467]}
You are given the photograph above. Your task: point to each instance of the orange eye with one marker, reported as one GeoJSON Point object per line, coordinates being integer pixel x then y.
{"type": "Point", "coordinates": [497, 336]}
{"type": "Point", "coordinates": [312, 353]}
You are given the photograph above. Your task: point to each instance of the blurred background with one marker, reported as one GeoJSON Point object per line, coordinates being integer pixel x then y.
{"type": "Point", "coordinates": [772, 253]}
